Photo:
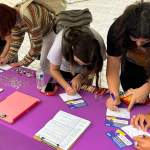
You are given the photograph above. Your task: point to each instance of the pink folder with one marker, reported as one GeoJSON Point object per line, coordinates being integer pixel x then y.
{"type": "Point", "coordinates": [15, 105]}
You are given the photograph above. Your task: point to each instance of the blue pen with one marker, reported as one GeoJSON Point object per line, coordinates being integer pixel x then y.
{"type": "Point", "coordinates": [112, 96]}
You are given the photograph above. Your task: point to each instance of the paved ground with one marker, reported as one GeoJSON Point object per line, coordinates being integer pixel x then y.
{"type": "Point", "coordinates": [104, 12]}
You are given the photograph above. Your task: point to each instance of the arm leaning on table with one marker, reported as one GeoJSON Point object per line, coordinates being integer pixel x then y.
{"type": "Point", "coordinates": [17, 39]}
{"type": "Point", "coordinates": [55, 72]}
{"type": "Point", "coordinates": [113, 80]}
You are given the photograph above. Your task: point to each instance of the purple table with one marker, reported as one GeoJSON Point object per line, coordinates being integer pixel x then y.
{"type": "Point", "coordinates": [19, 136]}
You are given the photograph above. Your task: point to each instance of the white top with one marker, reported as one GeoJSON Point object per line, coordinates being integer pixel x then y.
{"type": "Point", "coordinates": [55, 54]}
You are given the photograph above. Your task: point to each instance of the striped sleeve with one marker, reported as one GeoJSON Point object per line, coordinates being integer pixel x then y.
{"type": "Point", "coordinates": [37, 21]}
{"type": "Point", "coordinates": [31, 19]}
{"type": "Point", "coordinates": [36, 43]}
{"type": "Point", "coordinates": [17, 37]}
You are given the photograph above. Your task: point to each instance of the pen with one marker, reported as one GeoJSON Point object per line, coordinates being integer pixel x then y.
{"type": "Point", "coordinates": [112, 96]}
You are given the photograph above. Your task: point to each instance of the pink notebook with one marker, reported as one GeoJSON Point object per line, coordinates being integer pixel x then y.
{"type": "Point", "coordinates": [15, 105]}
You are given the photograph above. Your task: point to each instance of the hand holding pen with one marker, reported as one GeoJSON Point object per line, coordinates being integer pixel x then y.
{"type": "Point", "coordinates": [112, 102]}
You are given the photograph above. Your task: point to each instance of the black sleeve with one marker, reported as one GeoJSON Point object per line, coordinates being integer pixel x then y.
{"type": "Point", "coordinates": [112, 47]}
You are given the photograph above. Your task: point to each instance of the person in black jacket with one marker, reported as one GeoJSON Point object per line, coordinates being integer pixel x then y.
{"type": "Point", "coordinates": [128, 49]}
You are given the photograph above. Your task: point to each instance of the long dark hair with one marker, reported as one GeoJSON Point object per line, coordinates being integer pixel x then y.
{"type": "Point", "coordinates": [80, 42]}
{"type": "Point", "coordinates": [135, 21]}
{"type": "Point", "coordinates": [8, 18]}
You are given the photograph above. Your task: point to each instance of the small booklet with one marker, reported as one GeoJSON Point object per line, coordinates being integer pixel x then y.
{"type": "Point", "coordinates": [73, 101]}
{"type": "Point", "coordinates": [124, 137]}
{"type": "Point", "coordinates": [65, 97]}
{"type": "Point", "coordinates": [62, 130]}
{"type": "Point", "coordinates": [119, 138]}
{"type": "Point", "coordinates": [15, 105]}
{"type": "Point", "coordinates": [132, 132]}
{"type": "Point", "coordinates": [121, 113]}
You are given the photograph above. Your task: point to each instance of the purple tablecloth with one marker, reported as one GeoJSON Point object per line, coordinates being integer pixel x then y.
{"type": "Point", "coordinates": [19, 136]}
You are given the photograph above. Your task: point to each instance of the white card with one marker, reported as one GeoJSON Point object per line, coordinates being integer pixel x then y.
{"type": "Point", "coordinates": [122, 113]}
{"type": "Point", "coordinates": [125, 122]}
{"type": "Point", "coordinates": [65, 97]}
{"type": "Point", "coordinates": [1, 71]}
{"type": "Point", "coordinates": [5, 67]}
{"type": "Point", "coordinates": [132, 132]}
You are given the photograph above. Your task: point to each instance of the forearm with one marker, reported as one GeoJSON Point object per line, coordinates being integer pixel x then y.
{"type": "Point", "coordinates": [29, 58]}
{"type": "Point", "coordinates": [35, 49]}
{"type": "Point", "coordinates": [112, 75]}
{"type": "Point", "coordinates": [113, 82]}
{"type": "Point", "coordinates": [15, 45]}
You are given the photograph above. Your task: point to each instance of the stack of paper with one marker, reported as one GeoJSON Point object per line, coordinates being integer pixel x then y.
{"type": "Point", "coordinates": [73, 101]}
{"type": "Point", "coordinates": [121, 113]}
{"type": "Point", "coordinates": [65, 97]}
{"type": "Point", "coordinates": [132, 132]}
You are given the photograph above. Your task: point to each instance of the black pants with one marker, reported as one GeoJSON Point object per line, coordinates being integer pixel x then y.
{"type": "Point", "coordinates": [67, 75]}
{"type": "Point", "coordinates": [132, 75]}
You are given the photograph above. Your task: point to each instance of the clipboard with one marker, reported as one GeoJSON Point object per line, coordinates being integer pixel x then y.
{"type": "Point", "coordinates": [15, 105]}
{"type": "Point", "coordinates": [43, 141]}
{"type": "Point", "coordinates": [58, 123]}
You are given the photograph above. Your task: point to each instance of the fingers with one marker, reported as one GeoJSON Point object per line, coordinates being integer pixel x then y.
{"type": "Point", "coordinates": [132, 102]}
{"type": "Point", "coordinates": [141, 123]}
{"type": "Point", "coordinates": [146, 127]}
{"type": "Point", "coordinates": [115, 108]}
{"type": "Point", "coordinates": [70, 91]}
{"type": "Point", "coordinates": [138, 147]}
{"type": "Point", "coordinates": [76, 85]}
{"type": "Point", "coordinates": [138, 122]}
{"type": "Point", "coordinates": [128, 92]}
{"type": "Point", "coordinates": [138, 139]}
{"type": "Point", "coordinates": [111, 105]}
{"type": "Point", "coordinates": [3, 61]}
{"type": "Point", "coordinates": [14, 64]}
{"type": "Point", "coordinates": [132, 122]}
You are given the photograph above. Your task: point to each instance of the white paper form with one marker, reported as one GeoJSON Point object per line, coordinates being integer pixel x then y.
{"type": "Point", "coordinates": [65, 97]}
{"type": "Point", "coordinates": [5, 67]}
{"type": "Point", "coordinates": [132, 132]}
{"type": "Point", "coordinates": [121, 113]}
{"type": "Point", "coordinates": [63, 130]}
